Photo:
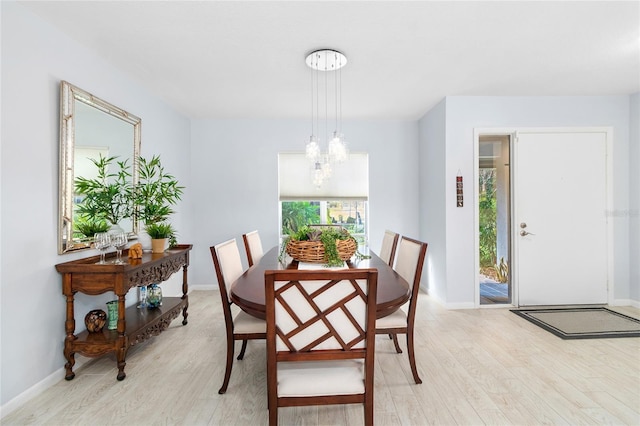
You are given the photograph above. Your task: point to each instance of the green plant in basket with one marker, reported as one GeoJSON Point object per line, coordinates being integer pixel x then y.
{"type": "Point", "coordinates": [329, 236]}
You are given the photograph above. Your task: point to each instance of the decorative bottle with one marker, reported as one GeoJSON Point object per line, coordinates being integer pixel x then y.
{"type": "Point", "coordinates": [154, 296]}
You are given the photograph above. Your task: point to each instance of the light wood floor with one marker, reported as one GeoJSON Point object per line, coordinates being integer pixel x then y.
{"type": "Point", "coordinates": [485, 366]}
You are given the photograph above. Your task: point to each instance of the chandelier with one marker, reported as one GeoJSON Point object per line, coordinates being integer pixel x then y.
{"type": "Point", "coordinates": [329, 62]}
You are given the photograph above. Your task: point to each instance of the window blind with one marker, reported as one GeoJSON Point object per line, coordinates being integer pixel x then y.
{"type": "Point", "coordinates": [349, 180]}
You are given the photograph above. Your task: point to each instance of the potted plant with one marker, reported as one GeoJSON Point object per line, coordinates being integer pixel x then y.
{"type": "Point", "coordinates": [108, 196]}
{"type": "Point", "coordinates": [154, 197]}
{"type": "Point", "coordinates": [156, 192]}
{"type": "Point", "coordinates": [331, 245]}
{"type": "Point", "coordinates": [160, 232]}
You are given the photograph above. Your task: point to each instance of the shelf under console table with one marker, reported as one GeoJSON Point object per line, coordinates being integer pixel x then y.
{"type": "Point", "coordinates": [134, 325]}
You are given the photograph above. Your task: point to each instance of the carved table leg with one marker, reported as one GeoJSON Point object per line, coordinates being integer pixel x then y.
{"type": "Point", "coordinates": [185, 314]}
{"type": "Point", "coordinates": [69, 355]}
{"type": "Point", "coordinates": [69, 325]}
{"type": "Point", "coordinates": [185, 290]}
{"type": "Point", "coordinates": [121, 355]}
{"type": "Point", "coordinates": [123, 341]}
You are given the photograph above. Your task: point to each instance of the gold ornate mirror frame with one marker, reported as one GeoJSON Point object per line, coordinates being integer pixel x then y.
{"type": "Point", "coordinates": [124, 140]}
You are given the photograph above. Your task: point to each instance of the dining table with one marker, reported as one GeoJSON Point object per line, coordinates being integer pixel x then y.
{"type": "Point", "coordinates": [249, 294]}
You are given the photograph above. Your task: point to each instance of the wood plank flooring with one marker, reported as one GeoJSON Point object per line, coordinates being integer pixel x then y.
{"type": "Point", "coordinates": [485, 366]}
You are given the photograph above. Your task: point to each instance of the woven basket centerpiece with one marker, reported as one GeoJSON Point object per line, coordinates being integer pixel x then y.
{"type": "Point", "coordinates": [314, 252]}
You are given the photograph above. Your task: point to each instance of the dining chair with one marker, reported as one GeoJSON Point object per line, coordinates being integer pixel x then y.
{"type": "Point", "coordinates": [253, 246]}
{"type": "Point", "coordinates": [411, 254]}
{"type": "Point", "coordinates": [239, 326]}
{"type": "Point", "coordinates": [388, 248]}
{"type": "Point", "coordinates": [320, 338]}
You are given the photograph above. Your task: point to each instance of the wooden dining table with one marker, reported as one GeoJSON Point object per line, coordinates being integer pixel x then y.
{"type": "Point", "coordinates": [248, 290]}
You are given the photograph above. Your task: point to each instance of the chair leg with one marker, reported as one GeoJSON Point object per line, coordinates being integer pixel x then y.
{"type": "Point", "coordinates": [412, 357]}
{"type": "Point", "coordinates": [244, 348]}
{"type": "Point", "coordinates": [273, 415]}
{"type": "Point", "coordinates": [227, 371]}
{"type": "Point", "coordinates": [368, 410]}
{"type": "Point", "coordinates": [395, 342]}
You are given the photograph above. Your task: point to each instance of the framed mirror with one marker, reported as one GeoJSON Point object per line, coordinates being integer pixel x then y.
{"type": "Point", "coordinates": [91, 128]}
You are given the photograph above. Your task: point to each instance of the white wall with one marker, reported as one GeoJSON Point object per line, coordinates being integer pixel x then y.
{"type": "Point", "coordinates": [464, 114]}
{"type": "Point", "coordinates": [235, 179]}
{"type": "Point", "coordinates": [35, 57]}
{"type": "Point", "coordinates": [634, 198]}
{"type": "Point", "coordinates": [433, 198]}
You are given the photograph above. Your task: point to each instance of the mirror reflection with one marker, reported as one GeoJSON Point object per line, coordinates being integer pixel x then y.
{"type": "Point", "coordinates": [91, 129]}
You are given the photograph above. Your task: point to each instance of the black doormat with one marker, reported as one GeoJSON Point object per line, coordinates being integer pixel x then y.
{"type": "Point", "coordinates": [582, 323]}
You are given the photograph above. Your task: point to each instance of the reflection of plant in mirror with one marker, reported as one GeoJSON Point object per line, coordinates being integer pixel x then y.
{"type": "Point", "coordinates": [88, 226]}
{"type": "Point", "coordinates": [156, 191]}
{"type": "Point", "coordinates": [109, 195]}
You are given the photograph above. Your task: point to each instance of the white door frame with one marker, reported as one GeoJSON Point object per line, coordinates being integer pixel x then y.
{"type": "Point", "coordinates": [513, 131]}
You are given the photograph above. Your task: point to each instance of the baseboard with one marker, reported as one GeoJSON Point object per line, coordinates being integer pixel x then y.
{"type": "Point", "coordinates": [203, 287]}
{"type": "Point", "coordinates": [463, 305]}
{"type": "Point", "coordinates": [626, 302]}
{"type": "Point", "coordinates": [40, 387]}
{"type": "Point", "coordinates": [439, 301]}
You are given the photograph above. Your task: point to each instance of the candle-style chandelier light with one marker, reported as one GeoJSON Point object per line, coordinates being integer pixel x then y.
{"type": "Point", "coordinates": [329, 62]}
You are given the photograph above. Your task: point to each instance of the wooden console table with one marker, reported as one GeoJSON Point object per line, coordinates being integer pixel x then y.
{"type": "Point", "coordinates": [134, 325]}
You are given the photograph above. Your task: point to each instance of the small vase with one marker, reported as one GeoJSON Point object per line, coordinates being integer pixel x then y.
{"type": "Point", "coordinates": [158, 245]}
{"type": "Point", "coordinates": [112, 314]}
{"type": "Point", "coordinates": [154, 296]}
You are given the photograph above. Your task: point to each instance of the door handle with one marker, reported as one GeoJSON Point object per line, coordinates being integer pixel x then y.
{"type": "Point", "coordinates": [524, 233]}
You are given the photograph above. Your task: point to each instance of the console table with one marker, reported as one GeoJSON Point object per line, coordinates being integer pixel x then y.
{"type": "Point", "coordinates": [134, 325]}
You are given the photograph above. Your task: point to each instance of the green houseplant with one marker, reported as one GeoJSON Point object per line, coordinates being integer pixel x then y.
{"type": "Point", "coordinates": [108, 196]}
{"type": "Point", "coordinates": [154, 197]}
{"type": "Point", "coordinates": [156, 192]}
{"type": "Point", "coordinates": [159, 233]}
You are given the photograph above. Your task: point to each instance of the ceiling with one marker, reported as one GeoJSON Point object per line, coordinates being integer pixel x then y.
{"type": "Point", "coordinates": [238, 59]}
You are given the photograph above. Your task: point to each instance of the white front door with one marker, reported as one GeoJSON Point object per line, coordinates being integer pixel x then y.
{"type": "Point", "coordinates": [560, 225]}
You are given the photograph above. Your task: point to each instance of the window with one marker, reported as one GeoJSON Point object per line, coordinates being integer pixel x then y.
{"type": "Point", "coordinates": [351, 215]}
{"type": "Point", "coordinates": [343, 200]}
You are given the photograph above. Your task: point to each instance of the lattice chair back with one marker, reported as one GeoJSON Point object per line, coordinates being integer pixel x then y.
{"type": "Point", "coordinates": [320, 338]}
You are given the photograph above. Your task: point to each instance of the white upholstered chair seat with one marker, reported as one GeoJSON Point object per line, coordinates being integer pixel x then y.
{"type": "Point", "coordinates": [398, 319]}
{"type": "Point", "coordinates": [328, 378]}
{"type": "Point", "coordinates": [243, 323]}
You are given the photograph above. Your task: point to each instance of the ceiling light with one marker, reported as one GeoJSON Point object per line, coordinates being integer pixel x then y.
{"type": "Point", "coordinates": [329, 62]}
